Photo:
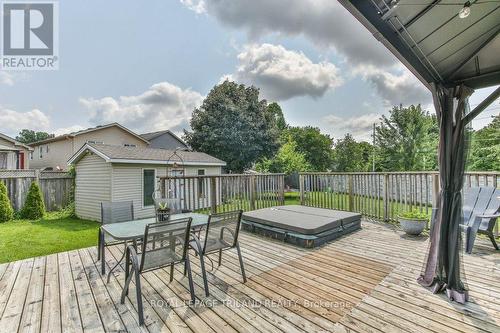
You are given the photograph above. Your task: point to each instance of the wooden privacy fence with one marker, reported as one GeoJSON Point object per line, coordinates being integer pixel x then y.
{"type": "Point", "coordinates": [223, 193]}
{"type": "Point", "coordinates": [56, 187]}
{"type": "Point", "coordinates": [380, 195]}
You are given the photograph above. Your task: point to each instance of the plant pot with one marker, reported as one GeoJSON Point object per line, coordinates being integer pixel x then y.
{"type": "Point", "coordinates": [162, 215]}
{"type": "Point", "coordinates": [412, 226]}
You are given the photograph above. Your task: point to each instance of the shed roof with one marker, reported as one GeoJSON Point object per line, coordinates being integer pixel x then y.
{"type": "Point", "coordinates": [430, 38]}
{"type": "Point", "coordinates": [139, 155]}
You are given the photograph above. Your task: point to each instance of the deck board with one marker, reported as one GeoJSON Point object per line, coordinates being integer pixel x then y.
{"type": "Point", "coordinates": [363, 282]}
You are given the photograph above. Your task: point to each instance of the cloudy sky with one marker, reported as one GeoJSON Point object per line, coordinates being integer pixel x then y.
{"type": "Point", "coordinates": [148, 64]}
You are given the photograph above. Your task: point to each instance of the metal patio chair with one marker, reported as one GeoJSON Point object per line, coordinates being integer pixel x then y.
{"type": "Point", "coordinates": [113, 212]}
{"type": "Point", "coordinates": [221, 233]}
{"type": "Point", "coordinates": [164, 244]}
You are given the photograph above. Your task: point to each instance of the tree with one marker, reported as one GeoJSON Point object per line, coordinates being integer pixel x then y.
{"type": "Point", "coordinates": [29, 136]}
{"type": "Point", "coordinates": [34, 207]}
{"type": "Point", "coordinates": [6, 210]}
{"type": "Point", "coordinates": [316, 147]}
{"type": "Point", "coordinates": [233, 124]}
{"type": "Point", "coordinates": [288, 160]}
{"type": "Point", "coordinates": [407, 140]}
{"type": "Point", "coordinates": [352, 156]}
{"type": "Point", "coordinates": [485, 148]}
{"type": "Point", "coordinates": [275, 115]}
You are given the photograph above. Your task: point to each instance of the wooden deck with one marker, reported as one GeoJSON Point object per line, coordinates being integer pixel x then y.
{"type": "Point", "coordinates": [363, 282]}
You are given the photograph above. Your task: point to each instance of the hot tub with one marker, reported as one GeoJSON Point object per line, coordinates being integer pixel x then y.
{"type": "Point", "coordinates": [301, 225]}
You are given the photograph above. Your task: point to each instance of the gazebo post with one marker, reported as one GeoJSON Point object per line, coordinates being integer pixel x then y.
{"type": "Point", "coordinates": [443, 267]}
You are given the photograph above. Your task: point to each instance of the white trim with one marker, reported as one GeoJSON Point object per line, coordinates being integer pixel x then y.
{"type": "Point", "coordinates": [142, 186]}
{"type": "Point", "coordinates": [162, 162]}
{"type": "Point", "coordinates": [85, 147]}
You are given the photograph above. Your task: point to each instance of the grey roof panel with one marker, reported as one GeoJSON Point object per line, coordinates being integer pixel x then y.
{"type": "Point", "coordinates": [151, 154]}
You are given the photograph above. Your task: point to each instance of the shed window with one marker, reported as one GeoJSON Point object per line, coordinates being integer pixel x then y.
{"type": "Point", "coordinates": [40, 151]}
{"type": "Point", "coordinates": [201, 184]}
{"type": "Point", "coordinates": [148, 187]}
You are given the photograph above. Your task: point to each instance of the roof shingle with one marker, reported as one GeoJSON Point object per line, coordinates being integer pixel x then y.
{"type": "Point", "coordinates": [152, 154]}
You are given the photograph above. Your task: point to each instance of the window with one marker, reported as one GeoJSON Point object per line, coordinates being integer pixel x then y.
{"type": "Point", "coordinates": [201, 183]}
{"type": "Point", "coordinates": [129, 145]}
{"type": "Point", "coordinates": [148, 187]}
{"type": "Point", "coordinates": [47, 149]}
{"type": "Point", "coordinates": [31, 155]}
{"type": "Point", "coordinates": [93, 141]}
{"type": "Point", "coordinates": [40, 152]}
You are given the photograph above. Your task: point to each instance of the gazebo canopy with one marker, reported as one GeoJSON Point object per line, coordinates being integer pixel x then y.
{"type": "Point", "coordinates": [452, 47]}
{"type": "Point", "coordinates": [430, 38]}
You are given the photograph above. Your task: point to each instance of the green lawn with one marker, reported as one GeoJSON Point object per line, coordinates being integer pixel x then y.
{"type": "Point", "coordinates": [57, 232]}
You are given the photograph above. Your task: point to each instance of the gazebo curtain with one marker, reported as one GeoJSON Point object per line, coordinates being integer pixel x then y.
{"type": "Point", "coordinates": [443, 270]}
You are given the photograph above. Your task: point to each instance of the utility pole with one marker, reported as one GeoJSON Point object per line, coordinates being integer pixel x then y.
{"type": "Point", "coordinates": [373, 164]}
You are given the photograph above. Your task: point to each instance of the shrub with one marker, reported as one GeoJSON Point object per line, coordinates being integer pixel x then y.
{"type": "Point", "coordinates": [34, 208]}
{"type": "Point", "coordinates": [6, 210]}
{"type": "Point", "coordinates": [414, 214]}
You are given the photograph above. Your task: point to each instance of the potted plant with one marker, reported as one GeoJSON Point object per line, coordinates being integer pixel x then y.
{"type": "Point", "coordinates": [162, 212]}
{"type": "Point", "coordinates": [413, 222]}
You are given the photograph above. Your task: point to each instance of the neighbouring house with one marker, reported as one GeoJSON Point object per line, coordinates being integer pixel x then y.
{"type": "Point", "coordinates": [13, 154]}
{"type": "Point", "coordinates": [118, 173]}
{"type": "Point", "coordinates": [55, 152]}
{"type": "Point", "coordinates": [164, 140]}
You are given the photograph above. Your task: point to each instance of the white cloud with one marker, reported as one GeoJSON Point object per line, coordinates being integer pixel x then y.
{"type": "Point", "coordinates": [198, 6]}
{"type": "Point", "coordinates": [6, 78]}
{"type": "Point", "coordinates": [67, 130]}
{"type": "Point", "coordinates": [11, 122]}
{"type": "Point", "coordinates": [282, 74]}
{"type": "Point", "coordinates": [325, 22]}
{"type": "Point", "coordinates": [329, 26]}
{"type": "Point", "coordinates": [162, 106]}
{"type": "Point", "coordinates": [397, 86]}
{"type": "Point", "coordinates": [360, 127]}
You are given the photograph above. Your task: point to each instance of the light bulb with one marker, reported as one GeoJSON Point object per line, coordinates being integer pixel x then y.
{"type": "Point", "coordinates": [465, 11]}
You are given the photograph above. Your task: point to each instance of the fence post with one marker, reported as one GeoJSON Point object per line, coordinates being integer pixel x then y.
{"type": "Point", "coordinates": [281, 185]}
{"type": "Point", "coordinates": [386, 197]}
{"type": "Point", "coordinates": [301, 189]}
{"type": "Point", "coordinates": [351, 193]}
{"type": "Point", "coordinates": [253, 189]}
{"type": "Point", "coordinates": [213, 195]}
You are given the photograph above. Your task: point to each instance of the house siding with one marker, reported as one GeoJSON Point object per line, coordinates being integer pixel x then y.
{"type": "Point", "coordinates": [166, 141]}
{"type": "Point", "coordinates": [93, 186]}
{"type": "Point", "coordinates": [127, 183]}
{"type": "Point", "coordinates": [12, 155]}
{"type": "Point", "coordinates": [61, 151]}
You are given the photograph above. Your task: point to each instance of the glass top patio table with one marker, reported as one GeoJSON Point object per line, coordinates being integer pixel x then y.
{"type": "Point", "coordinates": [131, 230]}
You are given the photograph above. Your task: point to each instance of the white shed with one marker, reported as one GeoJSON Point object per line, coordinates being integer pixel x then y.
{"type": "Point", "coordinates": [116, 173]}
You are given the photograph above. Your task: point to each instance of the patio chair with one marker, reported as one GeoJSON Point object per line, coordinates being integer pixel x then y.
{"type": "Point", "coordinates": [113, 212]}
{"type": "Point", "coordinates": [158, 249]}
{"type": "Point", "coordinates": [482, 217]}
{"type": "Point", "coordinates": [221, 233]}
